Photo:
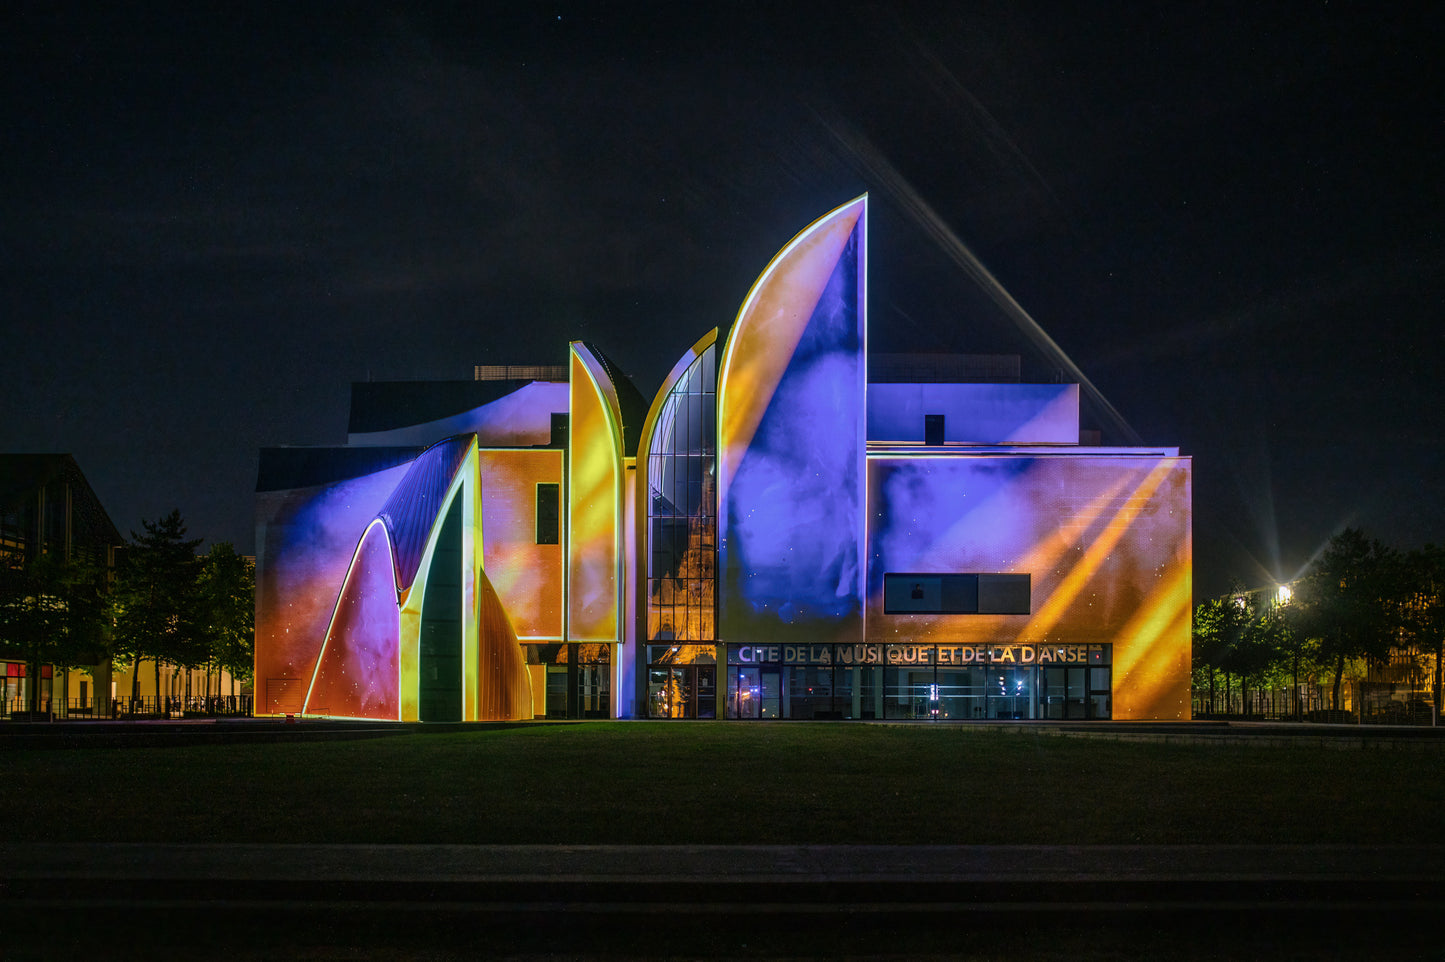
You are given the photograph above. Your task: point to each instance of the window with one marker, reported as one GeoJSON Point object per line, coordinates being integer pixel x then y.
{"type": "Point", "coordinates": [559, 429]}
{"type": "Point", "coordinates": [548, 513]}
{"type": "Point", "coordinates": [682, 509]}
{"type": "Point", "coordinates": [933, 429]}
{"type": "Point", "coordinates": [956, 594]}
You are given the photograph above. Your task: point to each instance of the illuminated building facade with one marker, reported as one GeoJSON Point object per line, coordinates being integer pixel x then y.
{"type": "Point", "coordinates": [776, 536]}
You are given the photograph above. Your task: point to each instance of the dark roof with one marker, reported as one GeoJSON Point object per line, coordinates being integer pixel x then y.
{"type": "Point", "coordinates": [283, 468]}
{"type": "Point", "coordinates": [415, 506]}
{"type": "Point", "coordinates": [630, 401]}
{"type": "Point", "coordinates": [388, 405]}
{"type": "Point", "coordinates": [21, 475]}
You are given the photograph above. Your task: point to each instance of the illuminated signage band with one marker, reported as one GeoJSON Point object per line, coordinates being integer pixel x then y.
{"type": "Point", "coordinates": [918, 655]}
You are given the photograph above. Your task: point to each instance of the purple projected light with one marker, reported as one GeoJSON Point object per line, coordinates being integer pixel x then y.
{"type": "Point", "coordinates": [792, 439]}
{"type": "Point", "coordinates": [356, 675]}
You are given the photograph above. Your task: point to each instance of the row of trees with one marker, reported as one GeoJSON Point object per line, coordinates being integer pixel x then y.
{"type": "Point", "coordinates": [162, 603]}
{"type": "Point", "coordinates": [1356, 604]}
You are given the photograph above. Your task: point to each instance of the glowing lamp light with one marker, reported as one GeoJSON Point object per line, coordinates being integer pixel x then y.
{"type": "Point", "coordinates": [1283, 594]}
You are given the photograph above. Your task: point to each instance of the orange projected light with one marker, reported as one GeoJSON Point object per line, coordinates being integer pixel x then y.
{"type": "Point", "coordinates": [306, 540]}
{"type": "Point", "coordinates": [1105, 541]}
{"type": "Point", "coordinates": [416, 632]}
{"type": "Point", "coordinates": [772, 320]}
{"type": "Point", "coordinates": [356, 675]}
{"type": "Point", "coordinates": [594, 502]}
{"type": "Point", "coordinates": [526, 576]}
{"type": "Point", "coordinates": [503, 684]}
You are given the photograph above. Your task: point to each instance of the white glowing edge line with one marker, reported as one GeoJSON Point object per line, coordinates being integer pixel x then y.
{"type": "Point", "coordinates": [336, 608]}
{"type": "Point", "coordinates": [864, 547]}
{"type": "Point", "coordinates": [725, 368]}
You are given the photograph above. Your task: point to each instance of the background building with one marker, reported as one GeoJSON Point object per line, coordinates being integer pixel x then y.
{"type": "Point", "coordinates": [778, 535]}
{"type": "Point", "coordinates": [47, 507]}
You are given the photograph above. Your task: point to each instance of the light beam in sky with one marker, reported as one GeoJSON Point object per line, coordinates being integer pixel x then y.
{"type": "Point", "coordinates": [881, 172]}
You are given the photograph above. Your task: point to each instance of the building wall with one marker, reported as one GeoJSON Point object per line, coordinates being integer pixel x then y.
{"type": "Point", "coordinates": [305, 541]}
{"type": "Point", "coordinates": [1105, 539]}
{"type": "Point", "coordinates": [976, 413]}
{"type": "Point", "coordinates": [527, 576]}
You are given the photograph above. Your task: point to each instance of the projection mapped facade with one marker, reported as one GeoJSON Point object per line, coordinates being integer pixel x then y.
{"type": "Point", "coordinates": [774, 537]}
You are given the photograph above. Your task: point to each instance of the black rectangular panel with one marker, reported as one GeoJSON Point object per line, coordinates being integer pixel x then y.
{"type": "Point", "coordinates": [955, 593]}
{"type": "Point", "coordinates": [933, 429]}
{"type": "Point", "coordinates": [1003, 594]}
{"type": "Point", "coordinates": [960, 594]}
{"type": "Point", "coordinates": [549, 511]}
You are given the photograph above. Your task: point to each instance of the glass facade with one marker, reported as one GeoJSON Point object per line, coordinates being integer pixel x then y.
{"type": "Point", "coordinates": [681, 548]}
{"type": "Point", "coordinates": [682, 509]}
{"type": "Point", "coordinates": [681, 681]}
{"type": "Point", "coordinates": [944, 683]}
{"type": "Point", "coordinates": [578, 679]}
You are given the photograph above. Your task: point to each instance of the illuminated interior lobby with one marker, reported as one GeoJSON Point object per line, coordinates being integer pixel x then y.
{"type": "Point", "coordinates": [786, 531]}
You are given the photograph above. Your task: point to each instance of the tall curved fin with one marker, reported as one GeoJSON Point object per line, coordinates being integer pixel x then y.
{"type": "Point", "coordinates": [594, 502]}
{"type": "Point", "coordinates": [791, 442]}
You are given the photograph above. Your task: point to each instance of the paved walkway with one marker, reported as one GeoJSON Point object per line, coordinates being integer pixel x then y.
{"type": "Point", "coordinates": [656, 878]}
{"type": "Point", "coordinates": [1191, 903]}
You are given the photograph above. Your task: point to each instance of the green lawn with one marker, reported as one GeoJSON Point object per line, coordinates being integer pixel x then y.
{"type": "Point", "coordinates": [716, 783]}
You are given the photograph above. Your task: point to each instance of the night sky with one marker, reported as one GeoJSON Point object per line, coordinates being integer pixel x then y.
{"type": "Point", "coordinates": [1228, 217]}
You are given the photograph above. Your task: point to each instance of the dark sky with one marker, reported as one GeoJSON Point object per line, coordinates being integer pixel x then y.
{"type": "Point", "coordinates": [1228, 217]}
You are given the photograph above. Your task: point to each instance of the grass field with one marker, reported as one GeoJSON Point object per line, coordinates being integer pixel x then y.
{"type": "Point", "coordinates": [697, 783]}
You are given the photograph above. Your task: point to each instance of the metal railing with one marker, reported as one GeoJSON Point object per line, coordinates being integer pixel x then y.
{"type": "Point", "coordinates": [1367, 703]}
{"type": "Point", "coordinates": [127, 708]}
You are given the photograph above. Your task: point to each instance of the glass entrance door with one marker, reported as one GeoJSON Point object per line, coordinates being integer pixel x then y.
{"type": "Point", "coordinates": [1062, 693]}
{"type": "Point", "coordinates": [670, 692]}
{"type": "Point", "coordinates": [755, 692]}
{"type": "Point", "coordinates": [744, 693]}
{"type": "Point", "coordinates": [593, 691]}
{"type": "Point", "coordinates": [1010, 693]}
{"type": "Point", "coordinates": [772, 699]}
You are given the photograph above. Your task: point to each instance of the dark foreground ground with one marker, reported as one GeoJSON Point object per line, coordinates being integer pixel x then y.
{"type": "Point", "coordinates": [713, 902]}
{"type": "Point", "coordinates": [1098, 844]}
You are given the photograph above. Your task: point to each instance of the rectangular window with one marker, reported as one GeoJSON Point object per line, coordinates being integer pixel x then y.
{"type": "Point", "coordinates": [933, 429]}
{"type": "Point", "coordinates": [956, 594]}
{"type": "Point", "coordinates": [549, 511]}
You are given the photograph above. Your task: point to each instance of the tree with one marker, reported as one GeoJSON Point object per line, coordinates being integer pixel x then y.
{"type": "Point", "coordinates": [228, 605]}
{"type": "Point", "coordinates": [1299, 653]}
{"type": "Point", "coordinates": [1239, 634]}
{"type": "Point", "coordinates": [1423, 611]}
{"type": "Point", "coordinates": [52, 612]}
{"type": "Point", "coordinates": [157, 599]}
{"type": "Point", "coordinates": [1217, 627]}
{"type": "Point", "coordinates": [1348, 601]}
